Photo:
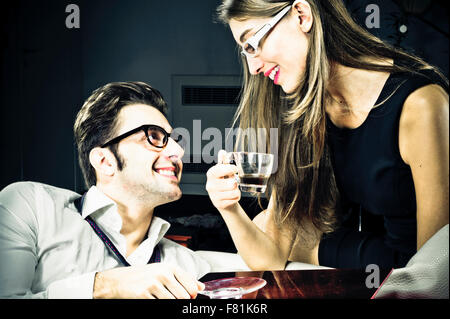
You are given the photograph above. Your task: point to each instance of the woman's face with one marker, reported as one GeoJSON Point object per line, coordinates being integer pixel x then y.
{"type": "Point", "coordinates": [282, 52]}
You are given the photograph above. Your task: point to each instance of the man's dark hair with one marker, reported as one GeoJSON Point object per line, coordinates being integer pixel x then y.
{"type": "Point", "coordinates": [97, 121]}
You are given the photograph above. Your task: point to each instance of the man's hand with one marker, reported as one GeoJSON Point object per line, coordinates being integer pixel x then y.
{"type": "Point", "coordinates": [157, 280]}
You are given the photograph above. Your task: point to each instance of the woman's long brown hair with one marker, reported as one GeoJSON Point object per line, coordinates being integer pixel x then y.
{"type": "Point", "coordinates": [304, 185]}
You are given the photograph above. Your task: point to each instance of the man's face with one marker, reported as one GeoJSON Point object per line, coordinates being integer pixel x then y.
{"type": "Point", "coordinates": [149, 173]}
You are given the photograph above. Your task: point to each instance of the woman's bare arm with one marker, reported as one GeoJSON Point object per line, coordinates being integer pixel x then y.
{"type": "Point", "coordinates": [424, 146]}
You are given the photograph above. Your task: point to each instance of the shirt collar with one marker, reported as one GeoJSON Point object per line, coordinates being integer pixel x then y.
{"type": "Point", "coordinates": [158, 228]}
{"type": "Point", "coordinates": [95, 200]}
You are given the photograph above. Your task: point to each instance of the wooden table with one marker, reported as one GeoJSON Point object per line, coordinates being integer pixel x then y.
{"type": "Point", "coordinates": [318, 284]}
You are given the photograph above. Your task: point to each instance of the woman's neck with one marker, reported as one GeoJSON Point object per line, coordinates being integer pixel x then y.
{"type": "Point", "coordinates": [352, 94]}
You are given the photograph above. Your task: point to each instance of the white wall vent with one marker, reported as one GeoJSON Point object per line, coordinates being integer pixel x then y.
{"type": "Point", "coordinates": [210, 101]}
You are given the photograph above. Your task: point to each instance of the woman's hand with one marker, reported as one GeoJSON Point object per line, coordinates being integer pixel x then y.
{"type": "Point", "coordinates": [260, 251]}
{"type": "Point", "coordinates": [221, 184]}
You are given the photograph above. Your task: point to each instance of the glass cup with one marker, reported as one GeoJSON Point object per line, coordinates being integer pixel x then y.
{"type": "Point", "coordinates": [254, 170]}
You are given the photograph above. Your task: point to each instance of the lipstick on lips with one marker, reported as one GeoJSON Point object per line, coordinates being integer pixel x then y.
{"type": "Point", "coordinates": [273, 74]}
{"type": "Point", "coordinates": [277, 75]}
{"type": "Point", "coordinates": [269, 71]}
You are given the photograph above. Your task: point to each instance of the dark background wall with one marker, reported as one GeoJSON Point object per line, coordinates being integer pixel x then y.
{"type": "Point", "coordinates": [48, 70]}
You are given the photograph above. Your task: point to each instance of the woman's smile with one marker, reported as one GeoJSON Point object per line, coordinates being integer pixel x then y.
{"type": "Point", "coordinates": [273, 74]}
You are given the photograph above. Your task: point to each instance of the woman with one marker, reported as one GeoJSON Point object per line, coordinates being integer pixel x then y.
{"type": "Point", "coordinates": [363, 129]}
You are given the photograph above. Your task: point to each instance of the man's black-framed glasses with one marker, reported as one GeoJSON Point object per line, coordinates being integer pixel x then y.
{"type": "Point", "coordinates": [156, 136]}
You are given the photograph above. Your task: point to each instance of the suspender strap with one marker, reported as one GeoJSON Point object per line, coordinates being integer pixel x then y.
{"type": "Point", "coordinates": [155, 258]}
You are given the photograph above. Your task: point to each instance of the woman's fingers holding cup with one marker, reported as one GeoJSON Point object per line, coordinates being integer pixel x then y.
{"type": "Point", "coordinates": [221, 185]}
{"type": "Point", "coordinates": [225, 199]}
{"type": "Point", "coordinates": [222, 157]}
{"type": "Point", "coordinates": [221, 171]}
{"type": "Point", "coordinates": [233, 195]}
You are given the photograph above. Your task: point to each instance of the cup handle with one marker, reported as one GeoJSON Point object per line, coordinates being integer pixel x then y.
{"type": "Point", "coordinates": [228, 158]}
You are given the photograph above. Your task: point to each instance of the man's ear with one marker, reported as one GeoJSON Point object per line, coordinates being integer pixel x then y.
{"type": "Point", "coordinates": [302, 10]}
{"type": "Point", "coordinates": [103, 161]}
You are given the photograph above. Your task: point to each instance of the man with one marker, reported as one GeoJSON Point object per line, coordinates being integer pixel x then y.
{"type": "Point", "coordinates": [56, 244]}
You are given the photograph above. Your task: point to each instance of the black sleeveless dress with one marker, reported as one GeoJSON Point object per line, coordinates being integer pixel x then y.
{"type": "Point", "coordinates": [376, 186]}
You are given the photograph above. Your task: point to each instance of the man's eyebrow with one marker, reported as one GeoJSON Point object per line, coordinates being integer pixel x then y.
{"type": "Point", "coordinates": [242, 37]}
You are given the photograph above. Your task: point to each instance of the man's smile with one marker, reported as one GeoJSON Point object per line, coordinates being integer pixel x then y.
{"type": "Point", "coordinates": [168, 172]}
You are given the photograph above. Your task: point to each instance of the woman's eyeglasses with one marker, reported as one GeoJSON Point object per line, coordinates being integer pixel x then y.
{"type": "Point", "coordinates": [251, 46]}
{"type": "Point", "coordinates": [156, 136]}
